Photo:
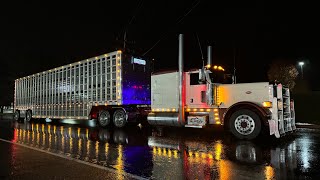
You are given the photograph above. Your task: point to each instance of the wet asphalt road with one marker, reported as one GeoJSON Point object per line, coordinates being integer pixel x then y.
{"type": "Point", "coordinates": [135, 153]}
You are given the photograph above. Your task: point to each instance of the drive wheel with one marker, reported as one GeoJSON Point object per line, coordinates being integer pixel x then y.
{"type": "Point", "coordinates": [119, 118]}
{"type": "Point", "coordinates": [28, 116]}
{"type": "Point", "coordinates": [104, 118]}
{"type": "Point", "coordinates": [245, 124]}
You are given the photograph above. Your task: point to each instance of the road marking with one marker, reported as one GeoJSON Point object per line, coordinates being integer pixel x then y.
{"type": "Point", "coordinates": [77, 160]}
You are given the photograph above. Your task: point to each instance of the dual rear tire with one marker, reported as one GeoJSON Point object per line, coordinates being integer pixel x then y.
{"type": "Point", "coordinates": [28, 116]}
{"type": "Point", "coordinates": [119, 118]}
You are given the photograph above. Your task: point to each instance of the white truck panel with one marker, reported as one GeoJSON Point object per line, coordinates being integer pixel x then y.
{"type": "Point", "coordinates": [230, 94]}
{"type": "Point", "coordinates": [165, 91]}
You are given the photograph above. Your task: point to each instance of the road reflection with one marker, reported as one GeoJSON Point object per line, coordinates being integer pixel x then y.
{"type": "Point", "coordinates": [170, 155]}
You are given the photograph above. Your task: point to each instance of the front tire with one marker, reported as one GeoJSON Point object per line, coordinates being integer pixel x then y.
{"type": "Point", "coordinates": [104, 118]}
{"type": "Point", "coordinates": [120, 118]}
{"type": "Point", "coordinates": [245, 124]}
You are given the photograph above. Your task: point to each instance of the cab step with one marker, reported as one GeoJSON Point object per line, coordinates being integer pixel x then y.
{"type": "Point", "coordinates": [194, 126]}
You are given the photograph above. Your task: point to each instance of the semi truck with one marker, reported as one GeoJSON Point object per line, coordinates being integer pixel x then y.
{"type": "Point", "coordinates": [117, 89]}
{"type": "Point", "coordinates": [199, 98]}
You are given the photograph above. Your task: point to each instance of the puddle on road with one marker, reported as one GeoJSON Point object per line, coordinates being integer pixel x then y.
{"type": "Point", "coordinates": [175, 155]}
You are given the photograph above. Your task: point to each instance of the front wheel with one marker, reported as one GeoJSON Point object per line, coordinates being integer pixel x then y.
{"type": "Point", "coordinates": [245, 124]}
{"type": "Point", "coordinates": [119, 118]}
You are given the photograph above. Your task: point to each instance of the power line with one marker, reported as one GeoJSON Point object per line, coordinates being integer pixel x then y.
{"type": "Point", "coordinates": [200, 47]}
{"type": "Point", "coordinates": [131, 20]}
{"type": "Point", "coordinates": [178, 21]}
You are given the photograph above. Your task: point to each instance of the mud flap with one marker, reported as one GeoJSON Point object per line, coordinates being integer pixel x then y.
{"type": "Point", "coordinates": [273, 127]}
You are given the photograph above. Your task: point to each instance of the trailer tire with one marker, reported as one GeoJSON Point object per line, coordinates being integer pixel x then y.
{"type": "Point", "coordinates": [28, 116]}
{"type": "Point", "coordinates": [104, 118]}
{"type": "Point", "coordinates": [245, 124]}
{"type": "Point", "coordinates": [120, 118]}
{"type": "Point", "coordinates": [16, 116]}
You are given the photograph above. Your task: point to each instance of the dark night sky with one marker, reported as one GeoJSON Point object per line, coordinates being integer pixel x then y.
{"type": "Point", "coordinates": [36, 36]}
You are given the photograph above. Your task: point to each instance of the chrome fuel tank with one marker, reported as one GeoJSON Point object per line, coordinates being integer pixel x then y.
{"type": "Point", "coordinates": [165, 119]}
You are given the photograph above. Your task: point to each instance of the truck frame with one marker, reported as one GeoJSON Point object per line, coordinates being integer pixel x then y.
{"type": "Point", "coordinates": [112, 88]}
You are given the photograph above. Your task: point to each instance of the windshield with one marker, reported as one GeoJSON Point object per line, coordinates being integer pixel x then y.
{"type": "Point", "coordinates": [220, 77]}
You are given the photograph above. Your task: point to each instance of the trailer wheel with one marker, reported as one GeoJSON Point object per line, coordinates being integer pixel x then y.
{"type": "Point", "coordinates": [245, 124]}
{"type": "Point", "coordinates": [104, 118]}
{"type": "Point", "coordinates": [28, 116]}
{"type": "Point", "coordinates": [17, 115]}
{"type": "Point", "coordinates": [119, 118]}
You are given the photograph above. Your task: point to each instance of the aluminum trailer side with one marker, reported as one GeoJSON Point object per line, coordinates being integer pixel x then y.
{"type": "Point", "coordinates": [89, 89]}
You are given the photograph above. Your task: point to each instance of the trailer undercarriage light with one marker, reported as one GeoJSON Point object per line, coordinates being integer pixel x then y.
{"type": "Point", "coordinates": [267, 104]}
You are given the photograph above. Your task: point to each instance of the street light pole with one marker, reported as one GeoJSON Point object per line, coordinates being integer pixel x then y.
{"type": "Point", "coordinates": [301, 65]}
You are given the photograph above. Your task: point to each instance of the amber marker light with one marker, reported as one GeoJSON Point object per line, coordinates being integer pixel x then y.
{"type": "Point", "coordinates": [267, 104]}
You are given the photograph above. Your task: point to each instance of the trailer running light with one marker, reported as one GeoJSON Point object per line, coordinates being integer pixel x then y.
{"type": "Point", "coordinates": [188, 110]}
{"type": "Point", "coordinates": [216, 114]}
{"type": "Point", "coordinates": [215, 110]}
{"type": "Point", "coordinates": [208, 110]}
{"type": "Point", "coordinates": [267, 104]}
{"type": "Point", "coordinates": [216, 118]}
{"type": "Point", "coordinates": [218, 122]}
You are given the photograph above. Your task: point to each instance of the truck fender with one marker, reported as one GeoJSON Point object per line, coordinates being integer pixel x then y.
{"type": "Point", "coordinates": [263, 113]}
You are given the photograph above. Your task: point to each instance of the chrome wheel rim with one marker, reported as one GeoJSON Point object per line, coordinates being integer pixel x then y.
{"type": "Point", "coordinates": [119, 119]}
{"type": "Point", "coordinates": [244, 124]}
{"type": "Point", "coordinates": [104, 118]}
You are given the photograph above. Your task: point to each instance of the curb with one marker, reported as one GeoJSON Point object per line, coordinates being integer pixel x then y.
{"type": "Point", "coordinates": [311, 126]}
